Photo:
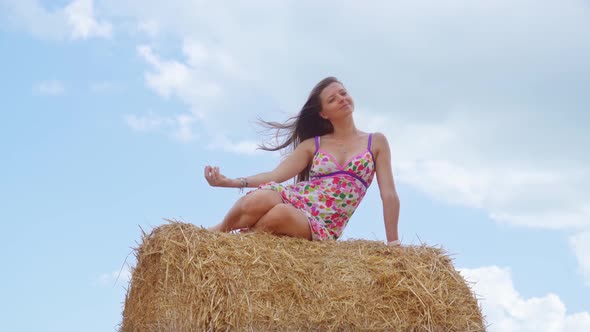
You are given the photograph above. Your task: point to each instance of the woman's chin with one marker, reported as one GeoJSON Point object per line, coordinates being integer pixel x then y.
{"type": "Point", "coordinates": [347, 110]}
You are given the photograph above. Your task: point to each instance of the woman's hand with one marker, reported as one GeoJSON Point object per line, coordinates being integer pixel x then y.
{"type": "Point", "coordinates": [214, 177]}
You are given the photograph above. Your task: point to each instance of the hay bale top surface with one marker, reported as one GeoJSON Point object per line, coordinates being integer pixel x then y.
{"type": "Point", "coordinates": [188, 279]}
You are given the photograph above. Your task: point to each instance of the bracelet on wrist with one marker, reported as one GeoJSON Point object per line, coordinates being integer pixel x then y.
{"type": "Point", "coordinates": [243, 184]}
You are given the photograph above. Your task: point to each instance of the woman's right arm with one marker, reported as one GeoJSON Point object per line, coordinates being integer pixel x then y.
{"type": "Point", "coordinates": [287, 169]}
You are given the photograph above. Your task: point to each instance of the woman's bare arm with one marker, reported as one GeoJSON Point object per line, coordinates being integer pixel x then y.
{"type": "Point", "coordinates": [287, 169]}
{"type": "Point", "coordinates": [389, 197]}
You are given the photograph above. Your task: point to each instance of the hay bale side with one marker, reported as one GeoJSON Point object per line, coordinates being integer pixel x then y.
{"type": "Point", "coordinates": [190, 279]}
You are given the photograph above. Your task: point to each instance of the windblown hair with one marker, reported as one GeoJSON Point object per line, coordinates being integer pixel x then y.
{"type": "Point", "coordinates": [308, 123]}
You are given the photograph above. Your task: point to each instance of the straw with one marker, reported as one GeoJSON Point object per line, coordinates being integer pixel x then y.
{"type": "Point", "coordinates": [190, 279]}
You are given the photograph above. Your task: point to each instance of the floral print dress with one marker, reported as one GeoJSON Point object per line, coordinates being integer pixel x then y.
{"type": "Point", "coordinates": [333, 192]}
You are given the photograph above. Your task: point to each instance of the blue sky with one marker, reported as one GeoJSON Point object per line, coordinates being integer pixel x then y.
{"type": "Point", "coordinates": [110, 111]}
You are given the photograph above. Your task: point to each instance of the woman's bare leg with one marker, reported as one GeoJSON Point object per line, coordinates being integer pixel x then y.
{"type": "Point", "coordinates": [248, 210]}
{"type": "Point", "coordinates": [284, 219]}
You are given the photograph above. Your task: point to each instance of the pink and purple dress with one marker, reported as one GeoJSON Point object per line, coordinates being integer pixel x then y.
{"type": "Point", "coordinates": [333, 192]}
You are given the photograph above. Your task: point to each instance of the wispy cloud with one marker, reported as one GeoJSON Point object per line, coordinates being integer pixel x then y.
{"type": "Point", "coordinates": [243, 147]}
{"type": "Point", "coordinates": [76, 20]}
{"type": "Point", "coordinates": [80, 17]}
{"type": "Point", "coordinates": [119, 277]}
{"type": "Point", "coordinates": [50, 88]}
{"type": "Point", "coordinates": [506, 310]}
{"type": "Point", "coordinates": [179, 127]}
{"type": "Point", "coordinates": [149, 27]}
{"type": "Point", "coordinates": [148, 122]}
{"type": "Point", "coordinates": [177, 78]}
{"type": "Point", "coordinates": [31, 16]}
{"type": "Point", "coordinates": [194, 80]}
{"type": "Point", "coordinates": [461, 160]}
{"type": "Point", "coordinates": [183, 130]}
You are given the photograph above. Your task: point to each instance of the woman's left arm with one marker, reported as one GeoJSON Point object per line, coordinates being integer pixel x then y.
{"type": "Point", "coordinates": [389, 197]}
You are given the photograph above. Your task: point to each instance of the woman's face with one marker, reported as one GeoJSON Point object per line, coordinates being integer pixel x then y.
{"type": "Point", "coordinates": [335, 101]}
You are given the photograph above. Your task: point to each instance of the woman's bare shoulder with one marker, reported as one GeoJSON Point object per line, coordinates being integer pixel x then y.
{"type": "Point", "coordinates": [379, 136]}
{"type": "Point", "coordinates": [380, 142]}
{"type": "Point", "coordinates": [308, 144]}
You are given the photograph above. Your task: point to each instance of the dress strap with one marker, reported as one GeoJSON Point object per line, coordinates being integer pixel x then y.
{"type": "Point", "coordinates": [370, 141]}
{"type": "Point", "coordinates": [317, 144]}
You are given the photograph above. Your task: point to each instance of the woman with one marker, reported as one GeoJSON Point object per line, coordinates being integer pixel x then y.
{"type": "Point", "coordinates": [335, 164]}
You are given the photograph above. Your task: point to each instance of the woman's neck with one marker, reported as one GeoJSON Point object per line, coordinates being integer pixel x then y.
{"type": "Point", "coordinates": [344, 129]}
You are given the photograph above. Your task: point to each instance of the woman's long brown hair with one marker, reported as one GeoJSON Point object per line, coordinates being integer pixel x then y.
{"type": "Point", "coordinates": [308, 123]}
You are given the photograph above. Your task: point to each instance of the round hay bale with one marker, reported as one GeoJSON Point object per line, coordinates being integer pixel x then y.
{"type": "Point", "coordinates": [190, 279]}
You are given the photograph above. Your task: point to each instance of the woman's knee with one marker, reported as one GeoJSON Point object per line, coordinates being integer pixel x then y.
{"type": "Point", "coordinates": [260, 201]}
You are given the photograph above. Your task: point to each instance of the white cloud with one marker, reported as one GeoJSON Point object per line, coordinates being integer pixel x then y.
{"type": "Point", "coordinates": [577, 322]}
{"type": "Point", "coordinates": [194, 81]}
{"type": "Point", "coordinates": [149, 27]}
{"type": "Point", "coordinates": [80, 17]}
{"type": "Point", "coordinates": [50, 88]}
{"type": "Point", "coordinates": [179, 127]}
{"type": "Point", "coordinates": [184, 130]}
{"type": "Point", "coordinates": [196, 53]}
{"type": "Point", "coordinates": [76, 20]}
{"type": "Point", "coordinates": [121, 277]}
{"type": "Point", "coordinates": [174, 78]}
{"type": "Point", "coordinates": [506, 310]}
{"type": "Point", "coordinates": [148, 122]}
{"type": "Point", "coordinates": [450, 160]}
{"type": "Point", "coordinates": [243, 147]}
{"type": "Point", "coordinates": [31, 16]}
{"type": "Point", "coordinates": [580, 243]}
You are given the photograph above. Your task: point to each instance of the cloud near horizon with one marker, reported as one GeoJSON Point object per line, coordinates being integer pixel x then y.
{"type": "Point", "coordinates": [506, 310]}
